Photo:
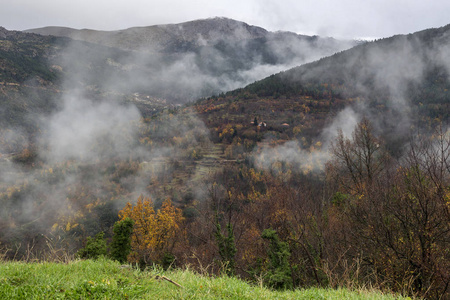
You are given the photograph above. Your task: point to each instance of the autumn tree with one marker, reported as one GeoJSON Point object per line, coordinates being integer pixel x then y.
{"type": "Point", "coordinates": [155, 233]}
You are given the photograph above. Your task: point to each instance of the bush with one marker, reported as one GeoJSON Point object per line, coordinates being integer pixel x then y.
{"type": "Point", "coordinates": [95, 247]}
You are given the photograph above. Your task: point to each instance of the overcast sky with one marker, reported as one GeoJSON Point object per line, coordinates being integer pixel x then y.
{"type": "Point", "coordinates": [336, 18]}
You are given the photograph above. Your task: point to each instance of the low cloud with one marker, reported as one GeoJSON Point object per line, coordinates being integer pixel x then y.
{"type": "Point", "coordinates": [292, 155]}
{"type": "Point", "coordinates": [193, 66]}
{"type": "Point", "coordinates": [87, 131]}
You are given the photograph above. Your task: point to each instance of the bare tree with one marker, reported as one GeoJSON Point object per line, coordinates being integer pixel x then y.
{"type": "Point", "coordinates": [396, 212]}
{"type": "Point", "coordinates": [358, 161]}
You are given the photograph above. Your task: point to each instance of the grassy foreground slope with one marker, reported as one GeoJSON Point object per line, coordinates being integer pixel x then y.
{"type": "Point", "coordinates": [105, 279]}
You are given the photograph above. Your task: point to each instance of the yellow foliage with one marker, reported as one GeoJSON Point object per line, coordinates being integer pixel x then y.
{"type": "Point", "coordinates": [54, 227]}
{"type": "Point", "coordinates": [447, 198]}
{"type": "Point", "coordinates": [297, 130]}
{"type": "Point", "coordinates": [90, 206]}
{"type": "Point", "coordinates": [154, 233]}
{"type": "Point", "coordinates": [69, 226]}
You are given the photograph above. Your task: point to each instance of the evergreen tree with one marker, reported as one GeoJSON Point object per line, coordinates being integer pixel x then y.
{"type": "Point", "coordinates": [121, 242]}
{"type": "Point", "coordinates": [279, 271]}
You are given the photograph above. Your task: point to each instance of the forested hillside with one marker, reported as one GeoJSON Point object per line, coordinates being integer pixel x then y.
{"type": "Point", "coordinates": [396, 82]}
{"type": "Point", "coordinates": [401, 69]}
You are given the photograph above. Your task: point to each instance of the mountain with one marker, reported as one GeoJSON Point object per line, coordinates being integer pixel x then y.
{"type": "Point", "coordinates": [24, 55]}
{"type": "Point", "coordinates": [390, 68]}
{"type": "Point", "coordinates": [398, 82]}
{"type": "Point", "coordinates": [163, 38]}
{"type": "Point", "coordinates": [188, 36]}
{"type": "Point", "coordinates": [182, 62]}
{"type": "Point", "coordinates": [27, 80]}
{"type": "Point", "coordinates": [148, 65]}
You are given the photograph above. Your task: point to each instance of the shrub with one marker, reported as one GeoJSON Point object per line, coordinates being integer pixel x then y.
{"type": "Point", "coordinates": [95, 247]}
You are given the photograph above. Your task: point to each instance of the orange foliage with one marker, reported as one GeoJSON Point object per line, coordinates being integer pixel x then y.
{"type": "Point", "coordinates": [154, 233]}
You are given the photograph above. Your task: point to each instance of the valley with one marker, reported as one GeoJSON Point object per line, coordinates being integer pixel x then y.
{"type": "Point", "coordinates": [284, 159]}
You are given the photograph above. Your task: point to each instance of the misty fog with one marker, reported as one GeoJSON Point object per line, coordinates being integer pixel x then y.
{"type": "Point", "coordinates": [390, 72]}
{"type": "Point", "coordinates": [184, 62]}
{"type": "Point", "coordinates": [98, 146]}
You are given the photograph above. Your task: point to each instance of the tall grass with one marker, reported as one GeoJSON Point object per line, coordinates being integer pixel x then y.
{"type": "Point", "coordinates": [105, 279]}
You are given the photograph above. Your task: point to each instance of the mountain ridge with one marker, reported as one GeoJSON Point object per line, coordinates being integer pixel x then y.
{"type": "Point", "coordinates": [158, 38]}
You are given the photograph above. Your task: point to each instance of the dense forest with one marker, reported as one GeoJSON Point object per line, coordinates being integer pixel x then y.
{"type": "Point", "coordinates": [334, 173]}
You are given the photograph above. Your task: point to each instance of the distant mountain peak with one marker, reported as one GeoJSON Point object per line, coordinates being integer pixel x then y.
{"type": "Point", "coordinates": [155, 38]}
{"type": "Point", "coordinates": [217, 28]}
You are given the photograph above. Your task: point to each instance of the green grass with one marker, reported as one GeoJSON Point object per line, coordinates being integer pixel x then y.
{"type": "Point", "coordinates": [105, 279]}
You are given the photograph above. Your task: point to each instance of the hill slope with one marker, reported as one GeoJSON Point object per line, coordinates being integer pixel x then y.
{"type": "Point", "coordinates": [399, 70]}
{"type": "Point", "coordinates": [398, 82]}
